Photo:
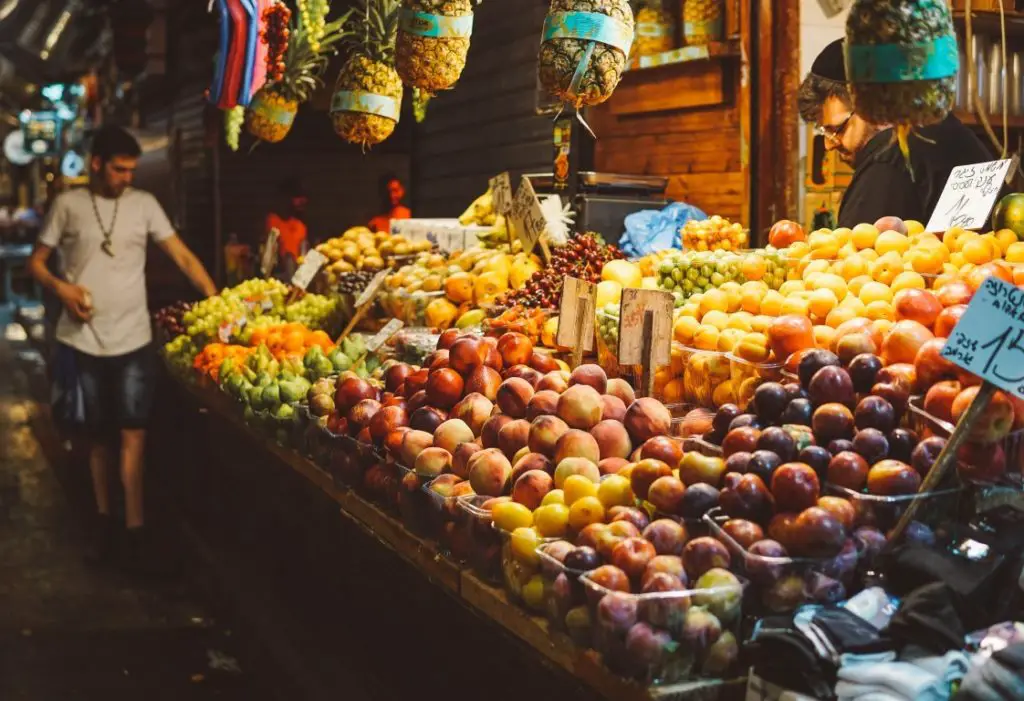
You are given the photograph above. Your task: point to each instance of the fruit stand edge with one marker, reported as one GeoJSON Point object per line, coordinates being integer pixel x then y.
{"type": "Point", "coordinates": [480, 597]}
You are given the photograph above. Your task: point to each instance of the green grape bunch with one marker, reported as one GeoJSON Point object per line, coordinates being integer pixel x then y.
{"type": "Point", "coordinates": [313, 16]}
{"type": "Point", "coordinates": [234, 118]}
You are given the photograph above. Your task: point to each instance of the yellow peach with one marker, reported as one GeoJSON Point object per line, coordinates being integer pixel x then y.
{"type": "Point", "coordinates": [907, 279]}
{"type": "Point", "coordinates": [875, 291]}
{"type": "Point", "coordinates": [879, 309]}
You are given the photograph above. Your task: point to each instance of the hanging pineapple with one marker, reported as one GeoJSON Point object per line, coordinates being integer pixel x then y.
{"type": "Point", "coordinates": [653, 31]}
{"type": "Point", "coordinates": [702, 21]}
{"type": "Point", "coordinates": [368, 93]}
{"type": "Point", "coordinates": [272, 111]}
{"type": "Point", "coordinates": [433, 40]}
{"type": "Point", "coordinates": [901, 63]}
{"type": "Point", "coordinates": [584, 49]}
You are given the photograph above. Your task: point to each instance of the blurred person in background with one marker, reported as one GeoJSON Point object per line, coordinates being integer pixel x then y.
{"type": "Point", "coordinates": [882, 183]}
{"type": "Point", "coordinates": [392, 192]}
{"type": "Point", "coordinates": [102, 233]}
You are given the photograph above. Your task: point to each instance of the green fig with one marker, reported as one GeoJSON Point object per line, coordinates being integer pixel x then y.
{"type": "Point", "coordinates": [271, 396]}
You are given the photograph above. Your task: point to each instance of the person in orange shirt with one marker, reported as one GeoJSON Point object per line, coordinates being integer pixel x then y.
{"type": "Point", "coordinates": [291, 228]}
{"type": "Point", "coordinates": [392, 194]}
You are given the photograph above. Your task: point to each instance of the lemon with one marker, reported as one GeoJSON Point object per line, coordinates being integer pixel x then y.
{"type": "Point", "coordinates": [510, 515]}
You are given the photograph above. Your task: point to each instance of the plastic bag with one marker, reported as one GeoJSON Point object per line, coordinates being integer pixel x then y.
{"type": "Point", "coordinates": [649, 230]}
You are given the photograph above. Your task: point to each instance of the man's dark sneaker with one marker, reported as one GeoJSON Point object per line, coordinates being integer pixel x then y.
{"type": "Point", "coordinates": [103, 546]}
{"type": "Point", "coordinates": [143, 557]}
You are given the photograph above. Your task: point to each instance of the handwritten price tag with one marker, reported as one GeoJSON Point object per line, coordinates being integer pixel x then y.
{"type": "Point", "coordinates": [970, 192]}
{"type": "Point", "coordinates": [989, 338]}
{"type": "Point", "coordinates": [372, 288]}
{"type": "Point", "coordinates": [501, 186]}
{"type": "Point", "coordinates": [268, 261]}
{"type": "Point", "coordinates": [632, 310]}
{"type": "Point", "coordinates": [528, 215]}
{"type": "Point", "coordinates": [311, 264]}
{"type": "Point", "coordinates": [575, 330]}
{"type": "Point", "coordinates": [381, 337]}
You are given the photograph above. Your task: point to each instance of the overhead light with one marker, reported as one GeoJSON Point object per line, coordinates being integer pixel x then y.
{"type": "Point", "coordinates": [7, 8]}
{"type": "Point", "coordinates": [55, 33]}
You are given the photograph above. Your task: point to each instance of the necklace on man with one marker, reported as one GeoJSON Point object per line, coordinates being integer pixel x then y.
{"type": "Point", "coordinates": [107, 245]}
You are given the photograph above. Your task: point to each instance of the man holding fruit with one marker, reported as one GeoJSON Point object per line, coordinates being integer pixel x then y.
{"type": "Point", "coordinates": [102, 233]}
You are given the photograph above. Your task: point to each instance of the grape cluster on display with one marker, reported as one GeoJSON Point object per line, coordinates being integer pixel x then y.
{"type": "Point", "coordinates": [583, 257]}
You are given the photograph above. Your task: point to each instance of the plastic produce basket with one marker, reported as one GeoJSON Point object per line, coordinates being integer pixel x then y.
{"type": "Point", "coordinates": [704, 373]}
{"type": "Point", "coordinates": [883, 512]}
{"type": "Point", "coordinates": [565, 601]}
{"type": "Point", "coordinates": [480, 539]}
{"type": "Point", "coordinates": [782, 584]}
{"type": "Point", "coordinates": [445, 520]}
{"type": "Point", "coordinates": [413, 502]}
{"type": "Point", "coordinates": [666, 637]}
{"type": "Point", "coordinates": [745, 376]}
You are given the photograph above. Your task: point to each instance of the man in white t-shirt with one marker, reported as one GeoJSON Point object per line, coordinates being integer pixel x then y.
{"type": "Point", "coordinates": [103, 232]}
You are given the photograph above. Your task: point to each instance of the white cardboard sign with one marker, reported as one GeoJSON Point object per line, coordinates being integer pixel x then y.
{"type": "Point", "coordinates": [969, 195]}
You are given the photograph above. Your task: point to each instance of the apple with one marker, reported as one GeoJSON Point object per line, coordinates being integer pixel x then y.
{"type": "Point", "coordinates": [938, 400]}
{"type": "Point", "coordinates": [995, 421]}
{"type": "Point", "coordinates": [667, 536]}
{"type": "Point", "coordinates": [695, 468]}
{"type": "Point", "coordinates": [872, 444]}
{"type": "Point", "coordinates": [863, 370]}
{"type": "Point", "coordinates": [948, 318]}
{"type": "Point", "coordinates": [893, 478]}
{"type": "Point", "coordinates": [926, 453]}
{"type": "Point", "coordinates": [931, 366]}
{"type": "Point", "coordinates": [703, 554]}
{"type": "Point", "coordinates": [832, 420]}
{"type": "Point", "coordinates": [814, 360]}
{"type": "Point", "coordinates": [747, 497]}
{"type": "Point", "coordinates": [848, 469]}
{"type": "Point", "coordinates": [874, 412]}
{"type": "Point", "coordinates": [817, 533]}
{"type": "Point", "coordinates": [980, 462]}
{"type": "Point", "coordinates": [903, 340]}
{"type": "Point", "coordinates": [831, 384]}
{"type": "Point", "coordinates": [917, 305]}
{"type": "Point", "coordinates": [853, 344]}
{"type": "Point", "coordinates": [795, 486]}
{"type": "Point", "coordinates": [790, 333]}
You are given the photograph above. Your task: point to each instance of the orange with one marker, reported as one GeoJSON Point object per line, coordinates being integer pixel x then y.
{"type": "Point", "coordinates": [977, 251]}
{"type": "Point", "coordinates": [320, 338]}
{"type": "Point", "coordinates": [879, 310]}
{"type": "Point", "coordinates": [295, 342]}
{"type": "Point", "coordinates": [891, 241]}
{"type": "Point", "coordinates": [907, 278]}
{"type": "Point", "coordinates": [1006, 238]}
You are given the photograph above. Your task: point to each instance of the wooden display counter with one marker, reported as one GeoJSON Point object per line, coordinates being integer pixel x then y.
{"type": "Point", "coordinates": [487, 602]}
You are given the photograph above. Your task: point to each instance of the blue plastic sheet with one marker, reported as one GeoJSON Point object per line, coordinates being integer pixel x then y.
{"type": "Point", "coordinates": [650, 230]}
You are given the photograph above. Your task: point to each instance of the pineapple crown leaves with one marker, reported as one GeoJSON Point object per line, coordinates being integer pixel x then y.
{"type": "Point", "coordinates": [375, 38]}
{"type": "Point", "coordinates": [304, 67]}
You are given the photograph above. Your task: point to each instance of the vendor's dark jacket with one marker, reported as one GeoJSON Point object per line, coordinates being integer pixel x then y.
{"type": "Point", "coordinates": [882, 184]}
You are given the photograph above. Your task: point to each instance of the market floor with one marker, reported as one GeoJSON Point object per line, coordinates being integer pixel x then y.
{"type": "Point", "coordinates": [72, 633]}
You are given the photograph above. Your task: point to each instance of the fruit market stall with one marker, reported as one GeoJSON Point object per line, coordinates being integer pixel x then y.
{"type": "Point", "coordinates": [633, 537]}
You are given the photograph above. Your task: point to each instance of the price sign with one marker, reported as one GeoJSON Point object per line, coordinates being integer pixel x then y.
{"type": "Point", "coordinates": [311, 264]}
{"type": "Point", "coordinates": [381, 337]}
{"type": "Point", "coordinates": [268, 261]}
{"type": "Point", "coordinates": [372, 288]}
{"type": "Point", "coordinates": [633, 327]}
{"type": "Point", "coordinates": [528, 215]}
{"type": "Point", "coordinates": [576, 317]}
{"type": "Point", "coordinates": [989, 338]}
{"type": "Point", "coordinates": [969, 195]}
{"type": "Point", "coordinates": [501, 186]}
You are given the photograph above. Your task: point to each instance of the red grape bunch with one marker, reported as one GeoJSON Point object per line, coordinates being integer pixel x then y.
{"type": "Point", "coordinates": [276, 35]}
{"type": "Point", "coordinates": [583, 257]}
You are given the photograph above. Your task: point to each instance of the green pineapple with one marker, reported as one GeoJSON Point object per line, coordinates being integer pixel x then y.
{"type": "Point", "coordinates": [370, 68]}
{"type": "Point", "coordinates": [433, 63]}
{"type": "Point", "coordinates": [273, 108]}
{"type": "Point", "coordinates": [559, 58]}
{"type": "Point", "coordinates": [908, 103]}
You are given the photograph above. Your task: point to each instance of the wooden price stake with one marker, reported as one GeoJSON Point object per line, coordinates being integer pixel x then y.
{"type": "Point", "coordinates": [501, 186]}
{"type": "Point", "coordinates": [268, 259]}
{"type": "Point", "coordinates": [528, 217]}
{"type": "Point", "coordinates": [381, 337]}
{"type": "Point", "coordinates": [988, 341]}
{"type": "Point", "coordinates": [645, 332]}
{"type": "Point", "coordinates": [364, 301]}
{"type": "Point", "coordinates": [312, 262]}
{"type": "Point", "coordinates": [576, 317]}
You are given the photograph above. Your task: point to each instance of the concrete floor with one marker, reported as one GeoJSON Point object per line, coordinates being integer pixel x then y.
{"type": "Point", "coordinates": [69, 632]}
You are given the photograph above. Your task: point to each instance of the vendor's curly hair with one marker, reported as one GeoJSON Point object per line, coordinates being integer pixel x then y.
{"type": "Point", "coordinates": [812, 95]}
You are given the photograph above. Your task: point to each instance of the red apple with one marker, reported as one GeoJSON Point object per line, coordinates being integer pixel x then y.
{"type": "Point", "coordinates": [995, 421]}
{"type": "Point", "coordinates": [795, 486]}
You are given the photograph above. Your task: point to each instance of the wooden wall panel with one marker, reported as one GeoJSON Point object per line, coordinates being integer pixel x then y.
{"type": "Point", "coordinates": [698, 149]}
{"type": "Point", "coordinates": [487, 123]}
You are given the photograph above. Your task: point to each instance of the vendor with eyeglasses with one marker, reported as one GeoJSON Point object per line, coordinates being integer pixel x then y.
{"type": "Point", "coordinates": [882, 184]}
